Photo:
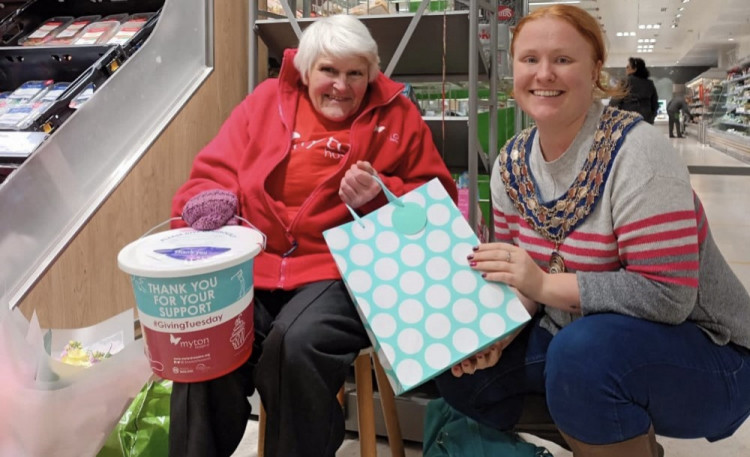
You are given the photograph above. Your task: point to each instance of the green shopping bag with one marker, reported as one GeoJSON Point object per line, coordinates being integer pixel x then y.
{"type": "Point", "coordinates": [448, 433]}
{"type": "Point", "coordinates": [143, 430]}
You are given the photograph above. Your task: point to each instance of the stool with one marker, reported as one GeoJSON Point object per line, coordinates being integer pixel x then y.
{"type": "Point", "coordinates": [363, 366]}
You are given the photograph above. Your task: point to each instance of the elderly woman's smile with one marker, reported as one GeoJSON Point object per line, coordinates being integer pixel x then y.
{"type": "Point", "coordinates": [336, 86]}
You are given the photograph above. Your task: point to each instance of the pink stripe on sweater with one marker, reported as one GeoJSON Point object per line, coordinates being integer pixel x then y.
{"type": "Point", "coordinates": [658, 237]}
{"type": "Point", "coordinates": [658, 219]}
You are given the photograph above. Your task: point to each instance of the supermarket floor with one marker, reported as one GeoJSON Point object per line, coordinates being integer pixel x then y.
{"type": "Point", "coordinates": [725, 198]}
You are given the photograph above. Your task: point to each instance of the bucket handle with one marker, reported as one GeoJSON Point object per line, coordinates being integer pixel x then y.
{"type": "Point", "coordinates": [172, 219]}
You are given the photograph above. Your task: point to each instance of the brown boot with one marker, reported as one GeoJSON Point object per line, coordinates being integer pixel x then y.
{"type": "Point", "coordinates": [640, 446]}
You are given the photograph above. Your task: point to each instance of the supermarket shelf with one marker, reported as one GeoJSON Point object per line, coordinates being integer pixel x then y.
{"type": "Point", "coordinates": [424, 50]}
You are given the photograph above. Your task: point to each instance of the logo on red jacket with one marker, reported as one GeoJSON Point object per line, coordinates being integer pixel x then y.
{"type": "Point", "coordinates": [504, 13]}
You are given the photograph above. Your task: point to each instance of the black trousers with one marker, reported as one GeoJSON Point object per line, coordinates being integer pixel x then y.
{"type": "Point", "coordinates": [674, 120]}
{"type": "Point", "coordinates": [305, 341]}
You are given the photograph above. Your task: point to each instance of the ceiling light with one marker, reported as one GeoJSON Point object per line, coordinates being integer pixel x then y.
{"type": "Point", "coordinates": [731, 39]}
{"type": "Point", "coordinates": [572, 2]}
{"type": "Point", "coordinates": [682, 8]}
{"type": "Point", "coordinates": [685, 1]}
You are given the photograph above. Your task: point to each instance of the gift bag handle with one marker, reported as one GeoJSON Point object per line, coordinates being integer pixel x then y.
{"type": "Point", "coordinates": [388, 195]}
{"type": "Point", "coordinates": [408, 218]}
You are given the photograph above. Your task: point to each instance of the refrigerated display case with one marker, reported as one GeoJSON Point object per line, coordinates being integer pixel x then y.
{"type": "Point", "coordinates": [107, 174]}
{"type": "Point", "coordinates": [730, 122]}
{"type": "Point", "coordinates": [41, 46]}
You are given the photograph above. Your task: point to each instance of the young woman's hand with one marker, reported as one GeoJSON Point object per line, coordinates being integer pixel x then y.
{"type": "Point", "coordinates": [358, 185]}
{"type": "Point", "coordinates": [509, 264]}
{"type": "Point", "coordinates": [484, 359]}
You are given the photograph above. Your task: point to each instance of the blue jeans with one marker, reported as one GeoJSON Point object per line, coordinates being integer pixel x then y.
{"type": "Point", "coordinates": [608, 377]}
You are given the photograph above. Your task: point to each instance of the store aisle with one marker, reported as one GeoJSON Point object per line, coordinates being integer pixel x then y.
{"type": "Point", "coordinates": [726, 199]}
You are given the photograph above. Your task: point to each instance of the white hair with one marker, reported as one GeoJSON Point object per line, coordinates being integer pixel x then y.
{"type": "Point", "coordinates": [339, 36]}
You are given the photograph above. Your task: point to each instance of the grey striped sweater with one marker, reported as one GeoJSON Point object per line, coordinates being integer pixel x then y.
{"type": "Point", "coordinates": [645, 250]}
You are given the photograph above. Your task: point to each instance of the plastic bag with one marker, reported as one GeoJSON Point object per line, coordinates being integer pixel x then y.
{"type": "Point", "coordinates": [448, 433]}
{"type": "Point", "coordinates": [143, 430]}
{"type": "Point", "coordinates": [52, 409]}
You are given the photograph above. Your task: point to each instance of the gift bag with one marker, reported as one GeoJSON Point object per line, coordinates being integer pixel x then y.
{"type": "Point", "coordinates": [424, 309]}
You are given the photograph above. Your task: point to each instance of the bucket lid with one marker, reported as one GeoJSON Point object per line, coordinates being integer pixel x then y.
{"type": "Point", "coordinates": [187, 252]}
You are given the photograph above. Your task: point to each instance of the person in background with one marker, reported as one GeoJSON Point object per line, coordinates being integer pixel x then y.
{"type": "Point", "coordinates": [287, 159]}
{"type": "Point", "coordinates": [676, 105]}
{"type": "Point", "coordinates": [639, 326]}
{"type": "Point", "coordinates": [641, 94]}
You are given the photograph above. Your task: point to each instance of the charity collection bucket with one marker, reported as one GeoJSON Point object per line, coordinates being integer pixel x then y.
{"type": "Point", "coordinates": [194, 293]}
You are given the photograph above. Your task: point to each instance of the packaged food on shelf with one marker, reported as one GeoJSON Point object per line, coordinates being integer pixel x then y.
{"type": "Point", "coordinates": [47, 31]}
{"type": "Point", "coordinates": [4, 101]}
{"type": "Point", "coordinates": [274, 6]}
{"type": "Point", "coordinates": [41, 104]}
{"type": "Point", "coordinates": [98, 32]}
{"type": "Point", "coordinates": [435, 5]}
{"type": "Point", "coordinates": [15, 115]}
{"type": "Point", "coordinates": [28, 102]}
{"type": "Point", "coordinates": [373, 7]}
{"type": "Point", "coordinates": [29, 91]}
{"type": "Point", "coordinates": [73, 31]}
{"type": "Point", "coordinates": [369, 7]}
{"type": "Point", "coordinates": [119, 17]}
{"type": "Point", "coordinates": [83, 96]}
{"type": "Point", "coordinates": [129, 28]}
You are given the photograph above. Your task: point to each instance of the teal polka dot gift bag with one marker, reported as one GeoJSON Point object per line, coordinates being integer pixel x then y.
{"type": "Point", "coordinates": [424, 309]}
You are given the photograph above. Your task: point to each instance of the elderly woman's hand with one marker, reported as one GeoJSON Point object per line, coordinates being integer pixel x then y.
{"type": "Point", "coordinates": [358, 186]}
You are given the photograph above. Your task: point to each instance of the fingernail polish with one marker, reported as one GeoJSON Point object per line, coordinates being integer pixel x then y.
{"type": "Point", "coordinates": [472, 264]}
{"type": "Point", "coordinates": [484, 275]}
{"type": "Point", "coordinates": [475, 248]}
{"type": "Point", "coordinates": [470, 256]}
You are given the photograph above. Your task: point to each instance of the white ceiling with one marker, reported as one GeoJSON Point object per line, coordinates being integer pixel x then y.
{"type": "Point", "coordinates": [702, 33]}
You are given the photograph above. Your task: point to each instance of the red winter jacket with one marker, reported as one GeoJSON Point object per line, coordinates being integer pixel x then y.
{"type": "Point", "coordinates": [389, 133]}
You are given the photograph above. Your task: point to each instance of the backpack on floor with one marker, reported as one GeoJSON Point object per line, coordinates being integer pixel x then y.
{"type": "Point", "coordinates": [448, 433]}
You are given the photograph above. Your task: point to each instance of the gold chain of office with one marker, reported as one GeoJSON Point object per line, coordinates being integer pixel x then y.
{"type": "Point", "coordinates": [554, 220]}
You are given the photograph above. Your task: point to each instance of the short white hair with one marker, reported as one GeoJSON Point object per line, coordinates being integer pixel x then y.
{"type": "Point", "coordinates": [338, 36]}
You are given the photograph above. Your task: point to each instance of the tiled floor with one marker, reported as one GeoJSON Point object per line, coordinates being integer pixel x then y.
{"type": "Point", "coordinates": [727, 203]}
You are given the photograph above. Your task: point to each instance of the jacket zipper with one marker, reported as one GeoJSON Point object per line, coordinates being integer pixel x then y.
{"type": "Point", "coordinates": [284, 256]}
{"type": "Point", "coordinates": [346, 163]}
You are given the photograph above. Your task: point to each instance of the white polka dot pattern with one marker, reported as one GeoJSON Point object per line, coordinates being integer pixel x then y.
{"type": "Point", "coordinates": [423, 306]}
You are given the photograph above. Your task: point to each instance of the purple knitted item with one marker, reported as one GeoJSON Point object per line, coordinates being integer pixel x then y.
{"type": "Point", "coordinates": [210, 210]}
